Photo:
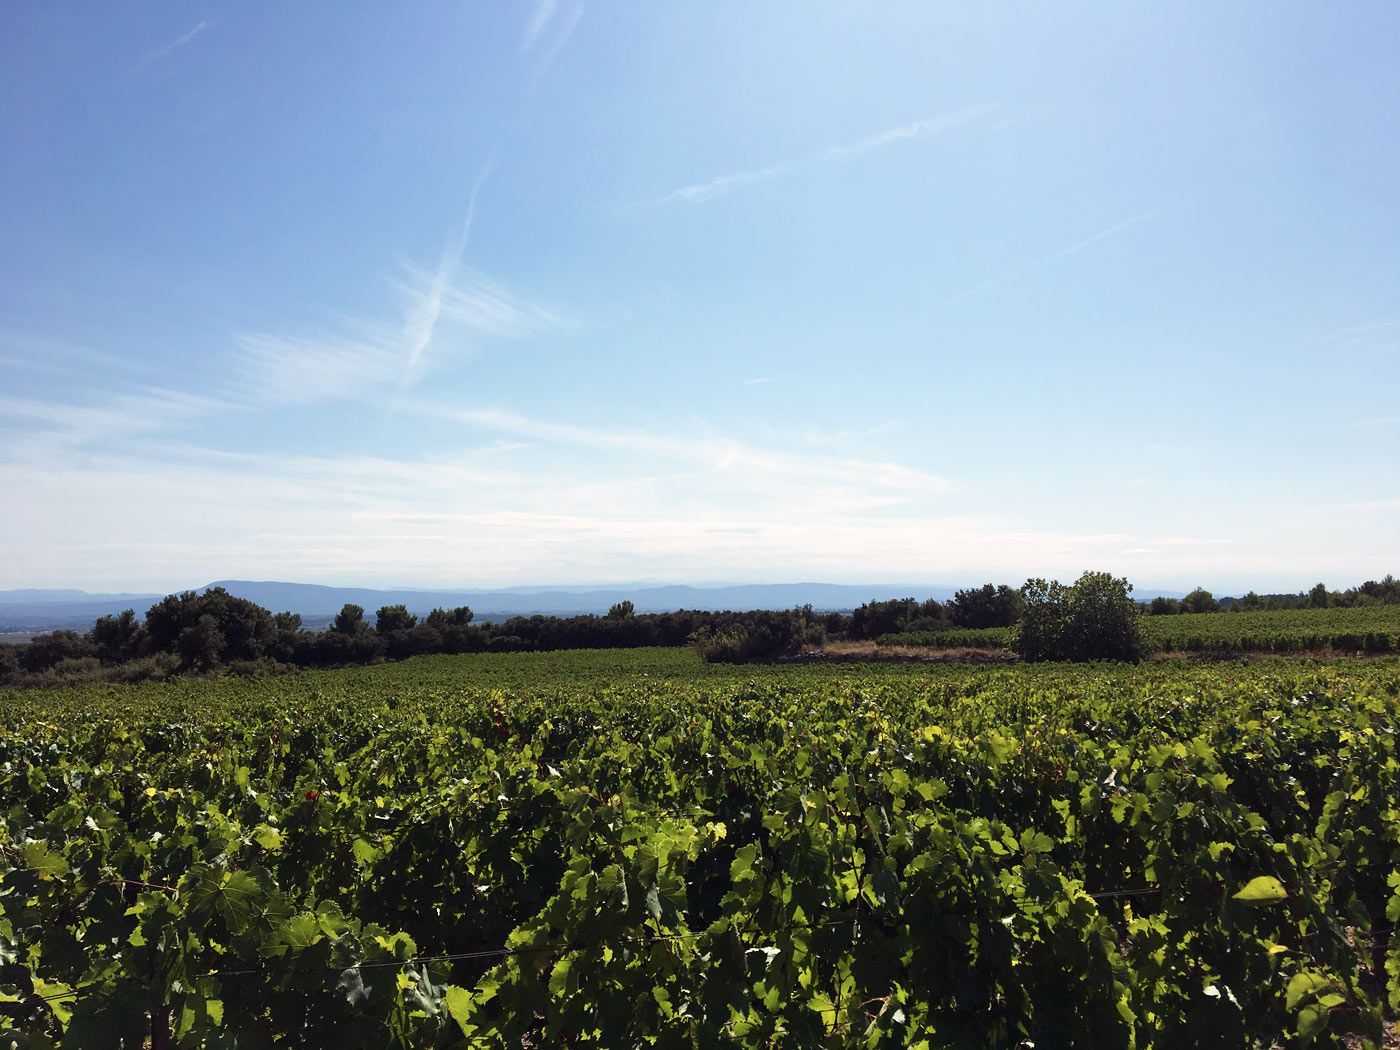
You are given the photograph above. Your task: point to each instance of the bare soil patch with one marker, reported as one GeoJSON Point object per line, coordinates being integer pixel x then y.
{"type": "Point", "coordinates": [869, 652]}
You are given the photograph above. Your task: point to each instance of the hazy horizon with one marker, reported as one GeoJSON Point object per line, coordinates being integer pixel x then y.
{"type": "Point", "coordinates": [933, 584]}
{"type": "Point", "coordinates": [571, 292]}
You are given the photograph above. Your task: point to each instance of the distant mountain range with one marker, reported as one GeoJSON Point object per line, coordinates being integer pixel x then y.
{"type": "Point", "coordinates": [41, 610]}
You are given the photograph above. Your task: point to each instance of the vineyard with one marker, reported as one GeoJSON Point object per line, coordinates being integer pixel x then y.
{"type": "Point", "coordinates": [1369, 629]}
{"type": "Point", "coordinates": [634, 848]}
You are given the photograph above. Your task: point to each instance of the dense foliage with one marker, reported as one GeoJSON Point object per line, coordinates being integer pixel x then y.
{"type": "Point", "coordinates": [625, 847]}
{"type": "Point", "coordinates": [1385, 591]}
{"type": "Point", "coordinates": [1370, 629]}
{"type": "Point", "coordinates": [211, 631]}
{"type": "Point", "coordinates": [1093, 618]}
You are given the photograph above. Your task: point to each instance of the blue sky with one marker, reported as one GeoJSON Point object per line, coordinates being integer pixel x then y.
{"type": "Point", "coordinates": [571, 292]}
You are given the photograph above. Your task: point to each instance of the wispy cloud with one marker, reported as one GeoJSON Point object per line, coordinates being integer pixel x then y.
{"type": "Point", "coordinates": [757, 381]}
{"type": "Point", "coordinates": [1361, 330]}
{"type": "Point", "coordinates": [703, 191]}
{"type": "Point", "coordinates": [422, 321]}
{"type": "Point", "coordinates": [1094, 238]}
{"type": "Point", "coordinates": [547, 28]}
{"type": "Point", "coordinates": [1373, 422]}
{"type": "Point", "coordinates": [539, 18]}
{"type": "Point", "coordinates": [531, 500]}
{"type": "Point", "coordinates": [174, 45]}
{"type": "Point", "coordinates": [709, 189]}
{"type": "Point", "coordinates": [1048, 260]}
{"type": "Point", "coordinates": [37, 353]}
{"type": "Point", "coordinates": [712, 454]}
{"type": "Point", "coordinates": [918, 129]}
{"type": "Point", "coordinates": [102, 420]}
{"type": "Point", "coordinates": [443, 320]}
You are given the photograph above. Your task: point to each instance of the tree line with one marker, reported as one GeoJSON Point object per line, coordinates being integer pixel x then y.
{"type": "Point", "coordinates": [1372, 592]}
{"type": "Point", "coordinates": [215, 632]}
{"type": "Point", "coordinates": [212, 631]}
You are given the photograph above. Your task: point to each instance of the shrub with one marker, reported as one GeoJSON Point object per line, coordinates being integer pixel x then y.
{"type": "Point", "coordinates": [985, 606]}
{"type": "Point", "coordinates": [1094, 619]}
{"type": "Point", "coordinates": [48, 650]}
{"type": "Point", "coordinates": [263, 667]}
{"type": "Point", "coordinates": [757, 636]}
{"type": "Point", "coordinates": [147, 668]}
{"type": "Point", "coordinates": [1200, 601]}
{"type": "Point", "coordinates": [415, 641]}
{"type": "Point", "coordinates": [874, 619]}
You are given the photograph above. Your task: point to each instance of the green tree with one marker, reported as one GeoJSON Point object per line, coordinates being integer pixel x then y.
{"type": "Point", "coordinates": [1200, 601]}
{"type": "Point", "coordinates": [1163, 606]}
{"type": "Point", "coordinates": [350, 620]}
{"type": "Point", "coordinates": [1318, 597]}
{"type": "Point", "coordinates": [620, 611]}
{"type": "Point", "coordinates": [201, 645]}
{"type": "Point", "coordinates": [119, 638]}
{"type": "Point", "coordinates": [985, 606]}
{"type": "Point", "coordinates": [287, 622]}
{"type": "Point", "coordinates": [246, 628]}
{"type": "Point", "coordinates": [1093, 619]}
{"type": "Point", "coordinates": [46, 650]}
{"type": "Point", "coordinates": [391, 618]}
{"type": "Point", "coordinates": [440, 618]}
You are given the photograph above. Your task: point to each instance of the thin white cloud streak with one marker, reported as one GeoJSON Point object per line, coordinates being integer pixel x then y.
{"type": "Point", "coordinates": [559, 39]}
{"type": "Point", "coordinates": [700, 192]}
{"type": "Point", "coordinates": [704, 191]}
{"type": "Point", "coordinates": [918, 129]}
{"type": "Point", "coordinates": [1102, 235]}
{"type": "Point", "coordinates": [444, 321]}
{"type": "Point", "coordinates": [422, 321]}
{"type": "Point", "coordinates": [42, 353]}
{"type": "Point", "coordinates": [67, 425]}
{"type": "Point", "coordinates": [1048, 260]}
{"type": "Point", "coordinates": [976, 289]}
{"type": "Point", "coordinates": [174, 45]}
{"type": "Point", "coordinates": [539, 18]}
{"type": "Point", "coordinates": [1360, 330]}
{"type": "Point", "coordinates": [716, 455]}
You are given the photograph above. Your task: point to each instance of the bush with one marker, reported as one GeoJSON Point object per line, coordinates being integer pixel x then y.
{"type": "Point", "coordinates": [985, 606]}
{"type": "Point", "coordinates": [147, 668]}
{"type": "Point", "coordinates": [462, 639]}
{"type": "Point", "coordinates": [1199, 601]}
{"type": "Point", "coordinates": [48, 650]}
{"type": "Point", "coordinates": [757, 636]}
{"type": "Point", "coordinates": [874, 619]}
{"type": "Point", "coordinates": [415, 641]}
{"type": "Point", "coordinates": [1094, 619]}
{"type": "Point", "coordinates": [334, 648]}
{"type": "Point", "coordinates": [207, 629]}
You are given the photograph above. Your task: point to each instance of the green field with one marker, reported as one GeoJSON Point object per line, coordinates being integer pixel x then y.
{"type": "Point", "coordinates": [631, 847]}
{"type": "Point", "coordinates": [1367, 629]}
